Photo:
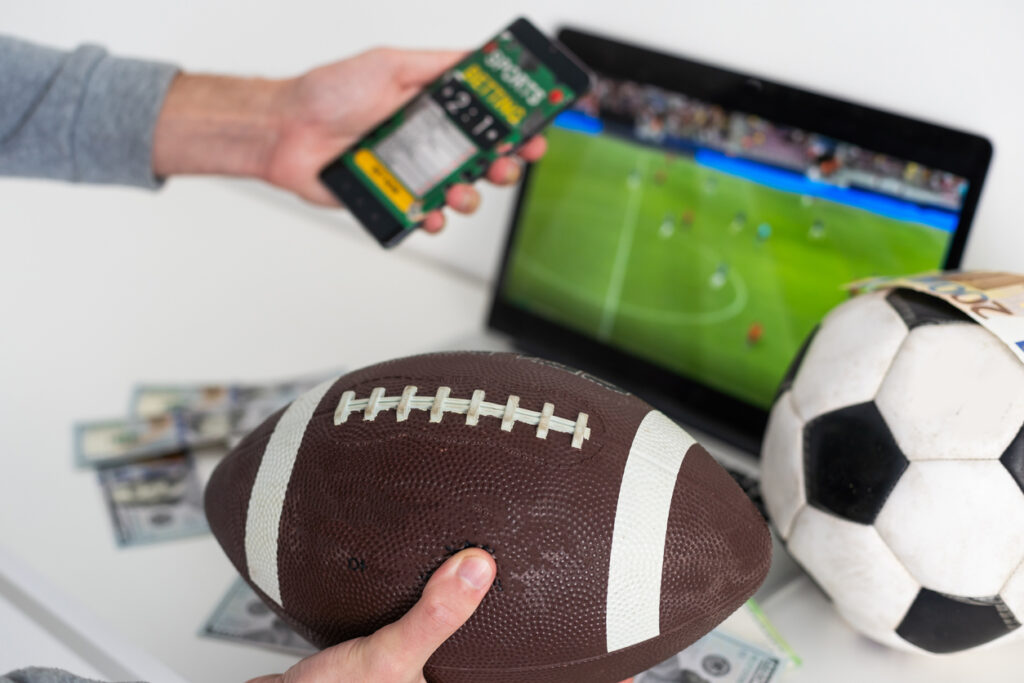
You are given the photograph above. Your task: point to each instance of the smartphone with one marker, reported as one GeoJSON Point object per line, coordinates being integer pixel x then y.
{"type": "Point", "coordinates": [484, 107]}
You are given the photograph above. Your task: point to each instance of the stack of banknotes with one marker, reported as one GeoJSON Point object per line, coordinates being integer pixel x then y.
{"type": "Point", "coordinates": [149, 463]}
{"type": "Point", "coordinates": [745, 648]}
{"type": "Point", "coordinates": [146, 461]}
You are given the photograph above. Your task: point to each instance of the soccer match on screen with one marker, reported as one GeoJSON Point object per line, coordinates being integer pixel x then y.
{"type": "Point", "coordinates": [711, 241]}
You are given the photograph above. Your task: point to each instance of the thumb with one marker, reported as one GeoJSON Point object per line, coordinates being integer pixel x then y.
{"type": "Point", "coordinates": [449, 599]}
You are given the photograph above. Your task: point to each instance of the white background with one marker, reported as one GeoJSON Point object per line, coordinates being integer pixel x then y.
{"type": "Point", "coordinates": [214, 279]}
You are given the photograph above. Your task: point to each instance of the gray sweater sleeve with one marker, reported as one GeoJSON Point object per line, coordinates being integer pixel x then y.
{"type": "Point", "coordinates": [40, 675]}
{"type": "Point", "coordinates": [82, 116]}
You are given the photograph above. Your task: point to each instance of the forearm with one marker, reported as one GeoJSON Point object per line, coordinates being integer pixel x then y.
{"type": "Point", "coordinates": [86, 116]}
{"type": "Point", "coordinates": [83, 116]}
{"type": "Point", "coordinates": [89, 117]}
{"type": "Point", "coordinates": [217, 125]}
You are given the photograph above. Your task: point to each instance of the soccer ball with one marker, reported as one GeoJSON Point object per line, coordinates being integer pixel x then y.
{"type": "Point", "coordinates": [893, 469]}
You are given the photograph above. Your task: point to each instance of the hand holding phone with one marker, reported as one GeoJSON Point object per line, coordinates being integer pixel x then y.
{"type": "Point", "coordinates": [486, 106]}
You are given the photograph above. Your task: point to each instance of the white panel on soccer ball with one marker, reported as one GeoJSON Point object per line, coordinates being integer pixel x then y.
{"type": "Point", "coordinates": [855, 567]}
{"type": "Point", "coordinates": [860, 621]}
{"type": "Point", "coordinates": [782, 465]}
{"type": "Point", "coordinates": [1013, 593]}
{"type": "Point", "coordinates": [954, 392]}
{"type": "Point", "coordinates": [957, 525]}
{"type": "Point", "coordinates": [849, 356]}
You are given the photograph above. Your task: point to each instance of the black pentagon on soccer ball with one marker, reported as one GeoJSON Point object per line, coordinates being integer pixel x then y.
{"type": "Point", "coordinates": [941, 623]}
{"type": "Point", "coordinates": [918, 308]}
{"type": "Point", "coordinates": [1013, 459]}
{"type": "Point", "coordinates": [851, 462]}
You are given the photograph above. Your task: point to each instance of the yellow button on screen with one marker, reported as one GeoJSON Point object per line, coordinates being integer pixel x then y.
{"type": "Point", "coordinates": [385, 181]}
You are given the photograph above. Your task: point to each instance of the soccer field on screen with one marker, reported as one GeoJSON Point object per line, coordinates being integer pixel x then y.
{"type": "Point", "coordinates": [712, 275]}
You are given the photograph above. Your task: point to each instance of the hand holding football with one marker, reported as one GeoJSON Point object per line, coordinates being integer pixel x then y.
{"type": "Point", "coordinates": [618, 540]}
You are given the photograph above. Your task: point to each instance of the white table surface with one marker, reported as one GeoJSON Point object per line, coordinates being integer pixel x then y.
{"type": "Point", "coordinates": [36, 644]}
{"type": "Point", "coordinates": [40, 624]}
{"type": "Point", "coordinates": [832, 651]}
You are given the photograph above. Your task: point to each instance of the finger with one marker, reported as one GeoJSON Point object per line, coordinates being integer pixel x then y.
{"type": "Point", "coordinates": [534, 148]}
{"type": "Point", "coordinates": [433, 222]}
{"type": "Point", "coordinates": [449, 599]}
{"type": "Point", "coordinates": [462, 198]}
{"type": "Point", "coordinates": [418, 67]}
{"type": "Point", "coordinates": [505, 171]}
{"type": "Point", "coordinates": [319, 195]}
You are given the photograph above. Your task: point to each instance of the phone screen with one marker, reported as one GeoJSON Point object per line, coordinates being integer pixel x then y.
{"type": "Point", "coordinates": [485, 106]}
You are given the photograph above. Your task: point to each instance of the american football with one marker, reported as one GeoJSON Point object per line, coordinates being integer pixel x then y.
{"type": "Point", "coordinates": [618, 540]}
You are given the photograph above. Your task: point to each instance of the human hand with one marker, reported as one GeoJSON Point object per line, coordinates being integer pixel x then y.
{"type": "Point", "coordinates": [285, 131]}
{"type": "Point", "coordinates": [397, 652]}
{"type": "Point", "coordinates": [326, 110]}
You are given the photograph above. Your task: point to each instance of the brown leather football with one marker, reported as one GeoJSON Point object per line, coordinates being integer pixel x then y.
{"type": "Point", "coordinates": [618, 540]}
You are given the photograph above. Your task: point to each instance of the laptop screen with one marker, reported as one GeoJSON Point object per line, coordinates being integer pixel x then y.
{"type": "Point", "coordinates": [709, 241]}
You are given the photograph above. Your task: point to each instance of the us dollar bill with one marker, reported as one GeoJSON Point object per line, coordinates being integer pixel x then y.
{"type": "Point", "coordinates": [154, 500]}
{"type": "Point", "coordinates": [120, 440]}
{"type": "Point", "coordinates": [156, 399]}
{"type": "Point", "coordinates": [170, 418]}
{"type": "Point", "coordinates": [716, 658]}
{"type": "Point", "coordinates": [244, 406]}
{"type": "Point", "coordinates": [242, 617]}
{"type": "Point", "coordinates": [251, 416]}
{"type": "Point", "coordinates": [149, 400]}
{"type": "Point", "coordinates": [282, 391]}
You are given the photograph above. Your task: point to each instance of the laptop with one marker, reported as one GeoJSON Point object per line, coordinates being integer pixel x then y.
{"type": "Point", "coordinates": [690, 225]}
